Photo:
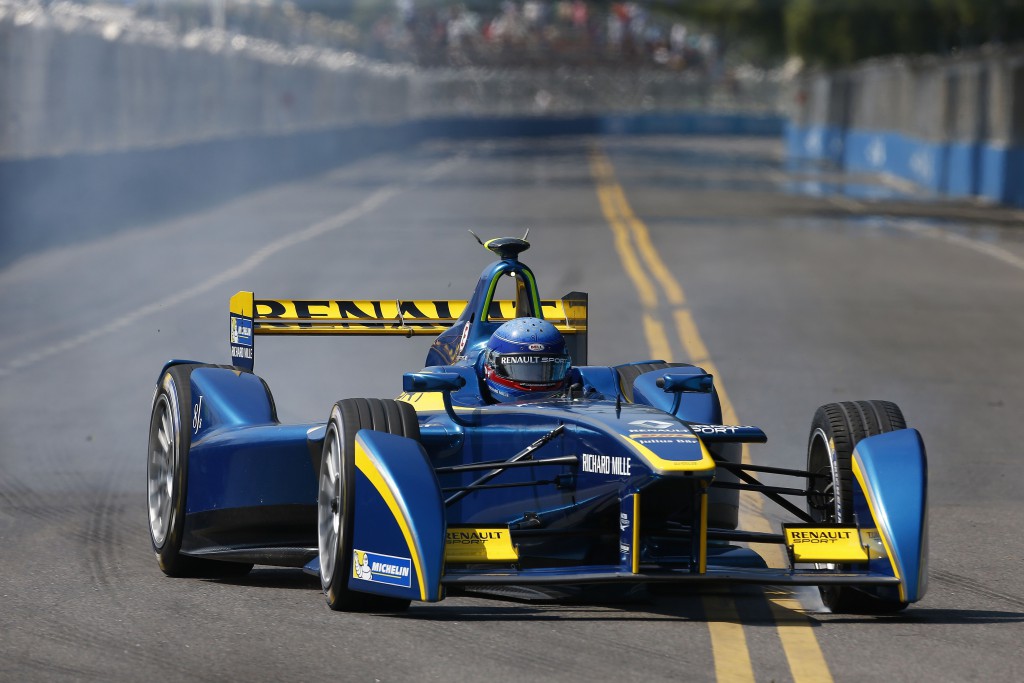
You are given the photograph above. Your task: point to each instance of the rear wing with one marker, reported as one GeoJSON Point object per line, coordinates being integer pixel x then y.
{"type": "Point", "coordinates": [395, 317]}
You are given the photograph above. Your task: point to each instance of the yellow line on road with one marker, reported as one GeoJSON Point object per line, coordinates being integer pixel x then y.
{"type": "Point", "coordinates": [796, 632]}
{"type": "Point", "coordinates": [728, 642]}
{"type": "Point", "coordinates": [732, 658]}
{"type": "Point", "coordinates": [630, 263]}
{"type": "Point", "coordinates": [657, 340]}
{"type": "Point", "coordinates": [690, 339]}
{"type": "Point", "coordinates": [673, 291]}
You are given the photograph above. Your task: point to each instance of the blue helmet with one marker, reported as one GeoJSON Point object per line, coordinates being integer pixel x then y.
{"type": "Point", "coordinates": [523, 358]}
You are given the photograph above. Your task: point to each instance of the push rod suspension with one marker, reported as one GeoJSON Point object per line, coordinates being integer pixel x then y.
{"type": "Point", "coordinates": [510, 485]}
{"type": "Point", "coordinates": [736, 466]}
{"type": "Point", "coordinates": [762, 488]}
{"type": "Point", "coordinates": [723, 534]}
{"type": "Point", "coordinates": [775, 497]}
{"type": "Point", "coordinates": [504, 465]}
{"type": "Point", "coordinates": [525, 454]}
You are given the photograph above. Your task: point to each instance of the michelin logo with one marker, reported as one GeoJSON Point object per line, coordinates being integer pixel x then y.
{"type": "Point", "coordinates": [394, 571]}
{"type": "Point", "coordinates": [241, 331]}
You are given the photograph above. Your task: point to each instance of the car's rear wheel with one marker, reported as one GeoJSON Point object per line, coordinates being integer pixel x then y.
{"type": "Point", "coordinates": [835, 431]}
{"type": "Point", "coordinates": [167, 479]}
{"type": "Point", "coordinates": [336, 495]}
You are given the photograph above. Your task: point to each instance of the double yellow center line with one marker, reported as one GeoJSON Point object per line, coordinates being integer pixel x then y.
{"type": "Point", "coordinates": [653, 282]}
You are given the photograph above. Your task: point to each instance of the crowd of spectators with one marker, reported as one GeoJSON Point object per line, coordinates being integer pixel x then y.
{"type": "Point", "coordinates": [538, 32]}
{"type": "Point", "coordinates": [433, 33]}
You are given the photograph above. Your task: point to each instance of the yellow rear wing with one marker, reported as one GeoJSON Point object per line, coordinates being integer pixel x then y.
{"type": "Point", "coordinates": [395, 317]}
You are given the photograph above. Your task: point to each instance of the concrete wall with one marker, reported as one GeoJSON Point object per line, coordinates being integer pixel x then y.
{"type": "Point", "coordinates": [953, 125]}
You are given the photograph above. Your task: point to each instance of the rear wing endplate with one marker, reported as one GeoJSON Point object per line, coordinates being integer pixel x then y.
{"type": "Point", "coordinates": [396, 317]}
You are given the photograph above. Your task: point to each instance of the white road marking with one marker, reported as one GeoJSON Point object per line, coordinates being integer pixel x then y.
{"type": "Point", "coordinates": [846, 203]}
{"type": "Point", "coordinates": [980, 246]}
{"type": "Point", "coordinates": [323, 227]}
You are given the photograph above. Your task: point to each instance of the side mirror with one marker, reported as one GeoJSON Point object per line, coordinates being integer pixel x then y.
{"type": "Point", "coordinates": [432, 381]}
{"type": "Point", "coordinates": [445, 382]}
{"type": "Point", "coordinates": [674, 384]}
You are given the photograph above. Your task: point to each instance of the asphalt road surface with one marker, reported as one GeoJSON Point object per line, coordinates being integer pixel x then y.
{"type": "Point", "coordinates": [798, 289]}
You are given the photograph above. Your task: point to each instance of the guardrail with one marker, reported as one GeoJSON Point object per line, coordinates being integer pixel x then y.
{"type": "Point", "coordinates": [953, 125]}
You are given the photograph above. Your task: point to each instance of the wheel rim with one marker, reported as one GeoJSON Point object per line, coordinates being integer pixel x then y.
{"type": "Point", "coordinates": [329, 505]}
{"type": "Point", "coordinates": [163, 458]}
{"type": "Point", "coordinates": [828, 506]}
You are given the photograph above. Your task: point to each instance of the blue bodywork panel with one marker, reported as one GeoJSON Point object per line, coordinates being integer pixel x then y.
{"type": "Point", "coordinates": [251, 480]}
{"type": "Point", "coordinates": [241, 456]}
{"type": "Point", "coordinates": [890, 496]}
{"type": "Point", "coordinates": [399, 526]}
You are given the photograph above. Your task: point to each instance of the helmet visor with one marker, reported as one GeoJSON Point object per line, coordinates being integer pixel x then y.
{"type": "Point", "coordinates": [531, 368]}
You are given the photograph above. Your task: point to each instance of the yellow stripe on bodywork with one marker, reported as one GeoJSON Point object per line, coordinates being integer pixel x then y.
{"type": "Point", "coordinates": [241, 304]}
{"type": "Point", "coordinates": [426, 402]}
{"type": "Point", "coordinates": [348, 328]}
{"type": "Point", "coordinates": [479, 544]}
{"type": "Point", "coordinates": [356, 310]}
{"type": "Point", "coordinates": [702, 563]}
{"type": "Point", "coordinates": [385, 317]}
{"type": "Point", "coordinates": [635, 551]}
{"type": "Point", "coordinates": [385, 488]}
{"type": "Point", "coordinates": [660, 465]}
{"type": "Point", "coordinates": [423, 401]}
{"type": "Point", "coordinates": [882, 530]}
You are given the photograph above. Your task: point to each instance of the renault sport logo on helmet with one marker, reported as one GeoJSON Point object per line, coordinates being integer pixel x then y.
{"type": "Point", "coordinates": [536, 347]}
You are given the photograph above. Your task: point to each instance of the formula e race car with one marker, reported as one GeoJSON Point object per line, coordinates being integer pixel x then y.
{"type": "Point", "coordinates": [626, 475]}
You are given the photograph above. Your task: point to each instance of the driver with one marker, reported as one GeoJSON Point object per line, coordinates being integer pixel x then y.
{"type": "Point", "coordinates": [525, 358]}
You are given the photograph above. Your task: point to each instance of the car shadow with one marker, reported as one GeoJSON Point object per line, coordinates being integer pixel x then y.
{"type": "Point", "coordinates": [639, 603]}
{"type": "Point", "coordinates": [272, 577]}
{"type": "Point", "coordinates": [925, 615]}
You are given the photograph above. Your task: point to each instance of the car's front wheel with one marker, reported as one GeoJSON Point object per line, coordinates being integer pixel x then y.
{"type": "Point", "coordinates": [335, 498]}
{"type": "Point", "coordinates": [835, 431]}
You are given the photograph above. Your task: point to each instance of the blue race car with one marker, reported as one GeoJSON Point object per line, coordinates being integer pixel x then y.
{"type": "Point", "coordinates": [509, 461]}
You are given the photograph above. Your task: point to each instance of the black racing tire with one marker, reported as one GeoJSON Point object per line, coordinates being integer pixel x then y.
{"type": "Point", "coordinates": [167, 479]}
{"type": "Point", "coordinates": [335, 498]}
{"type": "Point", "coordinates": [836, 430]}
{"type": "Point", "coordinates": [628, 374]}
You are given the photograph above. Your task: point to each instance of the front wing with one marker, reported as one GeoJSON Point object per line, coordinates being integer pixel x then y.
{"type": "Point", "coordinates": [401, 493]}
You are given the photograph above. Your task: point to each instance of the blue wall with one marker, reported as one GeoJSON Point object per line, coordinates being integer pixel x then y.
{"type": "Point", "coordinates": [958, 169]}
